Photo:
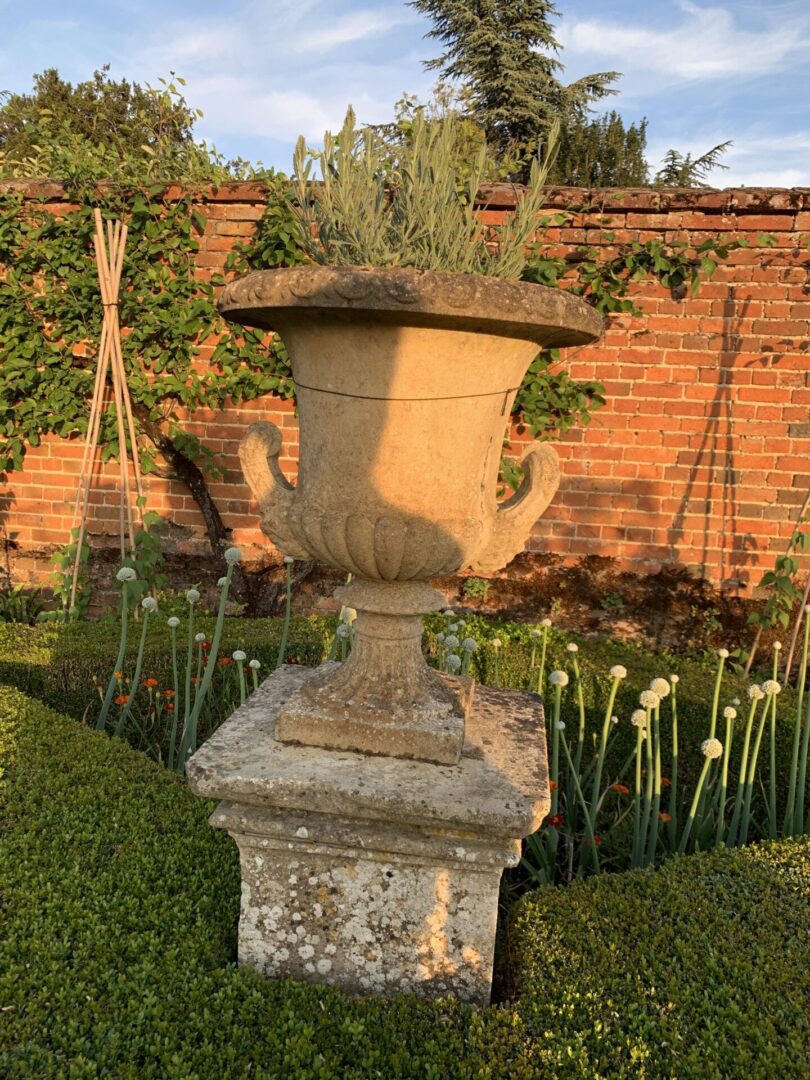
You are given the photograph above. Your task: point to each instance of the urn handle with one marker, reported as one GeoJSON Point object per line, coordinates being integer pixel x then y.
{"type": "Point", "coordinates": [258, 453]}
{"type": "Point", "coordinates": [517, 514]}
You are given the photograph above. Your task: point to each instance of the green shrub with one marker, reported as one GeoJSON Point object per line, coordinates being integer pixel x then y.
{"type": "Point", "coordinates": [118, 908]}
{"type": "Point", "coordinates": [699, 969]}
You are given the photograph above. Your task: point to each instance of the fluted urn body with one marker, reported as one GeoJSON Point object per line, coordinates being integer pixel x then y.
{"type": "Point", "coordinates": [405, 380]}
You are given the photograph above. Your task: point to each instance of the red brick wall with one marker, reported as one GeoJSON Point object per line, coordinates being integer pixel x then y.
{"type": "Point", "coordinates": [699, 458]}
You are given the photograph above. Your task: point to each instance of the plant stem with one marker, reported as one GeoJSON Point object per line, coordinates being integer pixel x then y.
{"type": "Point", "coordinates": [656, 806]}
{"type": "Point", "coordinates": [739, 797]}
{"type": "Point", "coordinates": [542, 673]}
{"type": "Point", "coordinates": [789, 824]}
{"type": "Point", "coordinates": [189, 662]}
{"type": "Point", "coordinates": [772, 830]}
{"type": "Point", "coordinates": [752, 766]}
{"type": "Point", "coordinates": [136, 678]}
{"type": "Point", "coordinates": [673, 776]}
{"type": "Point", "coordinates": [583, 804]}
{"type": "Point", "coordinates": [721, 803]}
{"type": "Point", "coordinates": [101, 723]}
{"type": "Point", "coordinates": [704, 772]}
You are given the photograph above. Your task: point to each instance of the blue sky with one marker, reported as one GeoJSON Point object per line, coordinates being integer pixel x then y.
{"type": "Point", "coordinates": [702, 71]}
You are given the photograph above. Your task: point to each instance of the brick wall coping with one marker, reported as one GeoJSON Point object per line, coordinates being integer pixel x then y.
{"type": "Point", "coordinates": [502, 196]}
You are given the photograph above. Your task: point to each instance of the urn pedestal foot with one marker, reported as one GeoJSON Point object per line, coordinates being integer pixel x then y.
{"type": "Point", "coordinates": [375, 874]}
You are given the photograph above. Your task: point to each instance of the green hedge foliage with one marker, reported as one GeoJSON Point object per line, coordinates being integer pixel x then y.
{"type": "Point", "coordinates": [118, 907]}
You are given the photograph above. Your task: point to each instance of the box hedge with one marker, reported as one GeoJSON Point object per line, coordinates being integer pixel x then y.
{"type": "Point", "coordinates": [118, 907]}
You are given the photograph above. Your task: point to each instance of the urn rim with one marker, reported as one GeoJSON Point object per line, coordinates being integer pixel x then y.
{"type": "Point", "coordinates": [552, 318]}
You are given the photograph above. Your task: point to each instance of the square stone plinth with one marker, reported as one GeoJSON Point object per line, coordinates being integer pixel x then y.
{"type": "Point", "coordinates": [374, 873]}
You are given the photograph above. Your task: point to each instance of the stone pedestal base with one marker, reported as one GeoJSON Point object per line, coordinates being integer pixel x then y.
{"type": "Point", "coordinates": [376, 874]}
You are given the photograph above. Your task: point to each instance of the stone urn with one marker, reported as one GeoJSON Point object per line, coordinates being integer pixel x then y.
{"type": "Point", "coordinates": [405, 381]}
{"type": "Point", "coordinates": [375, 803]}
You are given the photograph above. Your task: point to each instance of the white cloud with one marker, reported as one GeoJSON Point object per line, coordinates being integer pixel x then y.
{"type": "Point", "coordinates": [708, 43]}
{"type": "Point", "coordinates": [356, 26]}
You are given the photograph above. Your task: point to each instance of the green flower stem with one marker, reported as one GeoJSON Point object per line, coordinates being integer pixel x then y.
{"type": "Point", "coordinates": [731, 836]}
{"type": "Point", "coordinates": [532, 659]}
{"type": "Point", "coordinates": [704, 772]}
{"type": "Point", "coordinates": [254, 673]}
{"type": "Point", "coordinates": [136, 679]}
{"type": "Point", "coordinates": [721, 802]}
{"type": "Point", "coordinates": [581, 705]}
{"type": "Point", "coordinates": [752, 769]}
{"type": "Point", "coordinates": [242, 687]}
{"type": "Point", "coordinates": [652, 845]}
{"type": "Point", "coordinates": [716, 700]}
{"type": "Point", "coordinates": [799, 823]}
{"type": "Point", "coordinates": [199, 669]}
{"type": "Point", "coordinates": [600, 759]}
{"type": "Point", "coordinates": [637, 800]}
{"type": "Point", "coordinates": [646, 808]}
{"type": "Point", "coordinates": [790, 826]}
{"type": "Point", "coordinates": [189, 662]}
{"type": "Point", "coordinates": [541, 677]}
{"type": "Point", "coordinates": [285, 632]}
{"type": "Point", "coordinates": [581, 798]}
{"type": "Point", "coordinates": [673, 775]}
{"type": "Point", "coordinates": [555, 751]}
{"type": "Point", "coordinates": [772, 827]}
{"type": "Point", "coordinates": [189, 741]}
{"type": "Point", "coordinates": [101, 723]}
{"type": "Point", "coordinates": [176, 701]}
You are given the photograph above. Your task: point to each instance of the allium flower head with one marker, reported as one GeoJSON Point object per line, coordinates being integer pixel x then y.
{"type": "Point", "coordinates": [735, 701]}
{"type": "Point", "coordinates": [558, 678]}
{"type": "Point", "coordinates": [723, 654]}
{"type": "Point", "coordinates": [661, 687]}
{"type": "Point", "coordinates": [288, 560]}
{"type": "Point", "coordinates": [342, 630]}
{"type": "Point", "coordinates": [639, 718]}
{"type": "Point", "coordinates": [536, 634]}
{"type": "Point", "coordinates": [440, 637]}
{"type": "Point", "coordinates": [711, 748]}
{"type": "Point", "coordinates": [448, 613]}
{"type": "Point", "coordinates": [451, 641]}
{"type": "Point", "coordinates": [469, 644]}
{"type": "Point", "coordinates": [771, 686]}
{"type": "Point", "coordinates": [239, 656]}
{"type": "Point", "coordinates": [222, 582]}
{"type": "Point", "coordinates": [348, 615]}
{"type": "Point", "coordinates": [173, 622]}
{"type": "Point", "coordinates": [572, 647]}
{"type": "Point", "coordinates": [777, 645]}
{"type": "Point", "coordinates": [546, 623]}
{"type": "Point", "coordinates": [149, 603]}
{"type": "Point", "coordinates": [232, 556]}
{"type": "Point", "coordinates": [729, 713]}
{"type": "Point", "coordinates": [453, 628]}
{"type": "Point", "coordinates": [126, 573]}
{"type": "Point", "coordinates": [254, 664]}
{"type": "Point", "coordinates": [618, 672]}
{"type": "Point", "coordinates": [192, 595]}
{"type": "Point", "coordinates": [614, 719]}
{"type": "Point", "coordinates": [560, 725]}
{"type": "Point", "coordinates": [453, 661]}
{"type": "Point", "coordinates": [199, 638]}
{"type": "Point", "coordinates": [674, 679]}
{"type": "Point", "coordinates": [755, 692]}
{"type": "Point", "coordinates": [649, 699]}
{"type": "Point", "coordinates": [496, 643]}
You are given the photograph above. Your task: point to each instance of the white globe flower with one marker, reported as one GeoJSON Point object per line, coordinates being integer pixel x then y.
{"type": "Point", "coordinates": [771, 686]}
{"type": "Point", "coordinates": [614, 719]}
{"type": "Point", "coordinates": [639, 718]}
{"type": "Point", "coordinates": [546, 623]}
{"type": "Point", "coordinates": [222, 582]}
{"type": "Point", "coordinates": [777, 645]}
{"type": "Point", "coordinates": [496, 643]}
{"type": "Point", "coordinates": [149, 603]}
{"type": "Point", "coordinates": [536, 634]}
{"type": "Point", "coordinates": [729, 713]}
{"type": "Point", "coordinates": [560, 725]}
{"type": "Point", "coordinates": [453, 628]}
{"type": "Point", "coordinates": [712, 748]}
{"type": "Point", "coordinates": [735, 701]}
{"type": "Point", "coordinates": [232, 556]}
{"type": "Point", "coordinates": [661, 687]}
{"type": "Point", "coordinates": [199, 638]}
{"type": "Point", "coordinates": [342, 631]}
{"type": "Point", "coordinates": [349, 615]}
{"type": "Point", "coordinates": [723, 654]}
{"type": "Point", "coordinates": [469, 644]}
{"type": "Point", "coordinates": [239, 656]}
{"type": "Point", "coordinates": [572, 647]}
{"type": "Point", "coordinates": [451, 641]}
{"type": "Point", "coordinates": [618, 672]}
{"type": "Point", "coordinates": [192, 595]}
{"type": "Point", "coordinates": [254, 664]}
{"type": "Point", "coordinates": [440, 637]}
{"type": "Point", "coordinates": [173, 622]}
{"type": "Point", "coordinates": [453, 662]}
{"type": "Point", "coordinates": [674, 679]}
{"type": "Point", "coordinates": [649, 699]}
{"type": "Point", "coordinates": [558, 678]}
{"type": "Point", "coordinates": [288, 560]}
{"type": "Point", "coordinates": [126, 573]}
{"type": "Point", "coordinates": [448, 613]}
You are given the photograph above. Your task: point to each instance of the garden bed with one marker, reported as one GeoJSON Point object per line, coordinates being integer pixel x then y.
{"type": "Point", "coordinates": [119, 908]}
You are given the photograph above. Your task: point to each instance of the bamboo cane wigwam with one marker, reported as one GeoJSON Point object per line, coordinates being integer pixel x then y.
{"type": "Point", "coordinates": [109, 251]}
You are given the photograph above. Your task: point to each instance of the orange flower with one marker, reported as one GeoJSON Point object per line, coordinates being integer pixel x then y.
{"type": "Point", "coordinates": [168, 693]}
{"type": "Point", "coordinates": [150, 683]}
{"type": "Point", "coordinates": [224, 661]}
{"type": "Point", "coordinates": [169, 707]}
{"type": "Point", "coordinates": [622, 789]}
{"type": "Point", "coordinates": [666, 782]}
{"type": "Point", "coordinates": [122, 699]}
{"type": "Point", "coordinates": [664, 817]}
{"type": "Point", "coordinates": [205, 645]}
{"type": "Point", "coordinates": [597, 839]}
{"type": "Point", "coordinates": [118, 675]}
{"type": "Point", "coordinates": [552, 784]}
{"type": "Point", "coordinates": [557, 821]}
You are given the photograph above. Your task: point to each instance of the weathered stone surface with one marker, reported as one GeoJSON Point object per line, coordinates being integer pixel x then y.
{"type": "Point", "coordinates": [375, 874]}
{"type": "Point", "coordinates": [405, 381]}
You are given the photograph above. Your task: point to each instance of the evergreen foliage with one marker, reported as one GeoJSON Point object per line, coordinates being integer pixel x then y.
{"type": "Point", "coordinates": [682, 170]}
{"type": "Point", "coordinates": [601, 153]}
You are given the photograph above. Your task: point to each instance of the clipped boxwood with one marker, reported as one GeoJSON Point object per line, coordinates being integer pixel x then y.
{"type": "Point", "coordinates": [118, 907]}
